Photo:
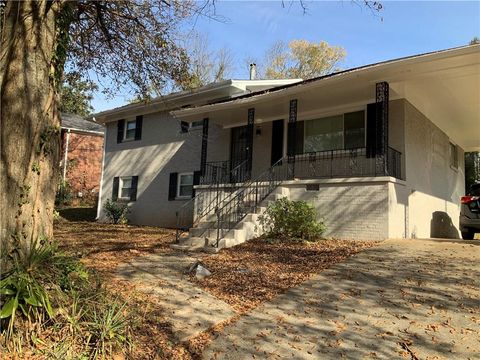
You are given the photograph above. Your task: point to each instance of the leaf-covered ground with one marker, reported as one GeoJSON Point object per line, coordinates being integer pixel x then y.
{"type": "Point", "coordinates": [244, 276]}
{"type": "Point", "coordinates": [258, 270]}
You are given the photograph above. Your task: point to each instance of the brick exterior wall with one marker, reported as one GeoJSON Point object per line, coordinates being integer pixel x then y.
{"type": "Point", "coordinates": [84, 164]}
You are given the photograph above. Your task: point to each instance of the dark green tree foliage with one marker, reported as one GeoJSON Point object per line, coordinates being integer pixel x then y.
{"type": "Point", "coordinates": [472, 168]}
{"type": "Point", "coordinates": [76, 94]}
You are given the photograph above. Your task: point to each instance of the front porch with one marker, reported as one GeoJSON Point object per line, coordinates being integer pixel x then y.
{"type": "Point", "coordinates": [279, 153]}
{"type": "Point", "coordinates": [351, 141]}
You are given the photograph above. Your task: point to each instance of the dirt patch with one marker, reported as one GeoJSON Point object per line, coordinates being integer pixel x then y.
{"type": "Point", "coordinates": [257, 271]}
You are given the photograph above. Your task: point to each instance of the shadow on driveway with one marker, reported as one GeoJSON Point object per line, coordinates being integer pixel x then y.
{"type": "Point", "coordinates": [403, 298]}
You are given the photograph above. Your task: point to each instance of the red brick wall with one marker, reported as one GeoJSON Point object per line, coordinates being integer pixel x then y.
{"type": "Point", "coordinates": [84, 163]}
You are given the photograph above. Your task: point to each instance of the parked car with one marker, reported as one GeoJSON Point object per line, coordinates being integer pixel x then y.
{"type": "Point", "coordinates": [470, 212]}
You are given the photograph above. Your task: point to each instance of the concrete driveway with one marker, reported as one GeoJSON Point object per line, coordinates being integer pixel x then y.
{"type": "Point", "coordinates": [406, 299]}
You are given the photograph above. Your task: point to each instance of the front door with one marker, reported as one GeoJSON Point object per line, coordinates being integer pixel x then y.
{"type": "Point", "coordinates": [239, 154]}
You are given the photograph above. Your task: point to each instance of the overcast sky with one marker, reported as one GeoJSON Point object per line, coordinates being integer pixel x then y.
{"type": "Point", "coordinates": [402, 28]}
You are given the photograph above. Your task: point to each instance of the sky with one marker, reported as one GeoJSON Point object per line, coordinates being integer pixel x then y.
{"type": "Point", "coordinates": [401, 28]}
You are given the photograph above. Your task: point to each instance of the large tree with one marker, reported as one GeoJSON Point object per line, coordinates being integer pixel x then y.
{"type": "Point", "coordinates": [301, 59]}
{"type": "Point", "coordinates": [127, 42]}
{"type": "Point", "coordinates": [205, 65]}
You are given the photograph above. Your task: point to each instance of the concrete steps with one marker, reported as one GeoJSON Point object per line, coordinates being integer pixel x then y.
{"type": "Point", "coordinates": [203, 236]}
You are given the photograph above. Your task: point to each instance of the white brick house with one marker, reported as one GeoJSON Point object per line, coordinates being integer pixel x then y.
{"type": "Point", "coordinates": [378, 150]}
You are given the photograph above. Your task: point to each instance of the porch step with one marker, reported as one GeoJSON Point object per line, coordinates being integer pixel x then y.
{"type": "Point", "coordinates": [203, 236]}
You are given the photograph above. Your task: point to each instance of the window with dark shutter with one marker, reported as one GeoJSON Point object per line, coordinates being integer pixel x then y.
{"type": "Point", "coordinates": [133, 189]}
{"type": "Point", "coordinates": [138, 127]}
{"type": "Point", "coordinates": [116, 181]}
{"type": "Point", "coordinates": [120, 130]}
{"type": "Point", "coordinates": [172, 186]}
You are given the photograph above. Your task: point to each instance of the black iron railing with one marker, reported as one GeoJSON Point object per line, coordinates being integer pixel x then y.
{"type": "Point", "coordinates": [223, 173]}
{"type": "Point", "coordinates": [324, 164]}
{"type": "Point", "coordinates": [208, 199]}
{"type": "Point", "coordinates": [248, 197]}
{"type": "Point", "coordinates": [394, 163]}
{"type": "Point", "coordinates": [345, 163]}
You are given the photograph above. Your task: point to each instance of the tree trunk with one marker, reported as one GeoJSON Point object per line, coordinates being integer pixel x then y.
{"type": "Point", "coordinates": [30, 125]}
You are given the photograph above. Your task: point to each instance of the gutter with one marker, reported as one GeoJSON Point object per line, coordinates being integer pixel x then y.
{"type": "Point", "coordinates": [93, 132]}
{"type": "Point", "coordinates": [65, 156]}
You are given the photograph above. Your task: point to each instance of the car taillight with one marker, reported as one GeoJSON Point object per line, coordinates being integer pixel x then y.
{"type": "Point", "coordinates": [469, 199]}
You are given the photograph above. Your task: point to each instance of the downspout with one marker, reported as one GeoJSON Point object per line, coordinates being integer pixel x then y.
{"type": "Point", "coordinates": [99, 203]}
{"type": "Point", "coordinates": [65, 157]}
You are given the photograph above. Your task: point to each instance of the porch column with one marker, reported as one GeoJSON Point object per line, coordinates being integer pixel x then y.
{"type": "Point", "coordinates": [203, 157]}
{"type": "Point", "coordinates": [292, 137]}
{"type": "Point", "coordinates": [381, 101]}
{"type": "Point", "coordinates": [250, 121]}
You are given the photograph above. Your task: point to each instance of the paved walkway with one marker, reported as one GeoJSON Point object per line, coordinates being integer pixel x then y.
{"type": "Point", "coordinates": [405, 299]}
{"type": "Point", "coordinates": [189, 309]}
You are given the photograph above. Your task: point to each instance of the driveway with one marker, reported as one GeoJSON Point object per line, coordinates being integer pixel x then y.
{"type": "Point", "coordinates": [406, 299]}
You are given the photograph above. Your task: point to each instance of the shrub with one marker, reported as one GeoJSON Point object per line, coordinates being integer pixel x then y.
{"type": "Point", "coordinates": [116, 211]}
{"type": "Point", "coordinates": [293, 219]}
{"type": "Point", "coordinates": [52, 305]}
{"type": "Point", "coordinates": [64, 194]}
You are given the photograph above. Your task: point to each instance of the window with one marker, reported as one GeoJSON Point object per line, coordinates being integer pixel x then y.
{"type": "Point", "coordinates": [130, 128]}
{"type": "Point", "coordinates": [453, 156]}
{"type": "Point", "coordinates": [196, 124]}
{"type": "Point", "coordinates": [185, 185]}
{"type": "Point", "coordinates": [125, 188]}
{"type": "Point", "coordinates": [186, 126]}
{"type": "Point", "coordinates": [338, 132]}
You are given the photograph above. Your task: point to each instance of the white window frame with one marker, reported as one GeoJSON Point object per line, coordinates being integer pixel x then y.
{"type": "Point", "coordinates": [178, 196]}
{"type": "Point", "coordinates": [363, 108]}
{"type": "Point", "coordinates": [120, 187]}
{"type": "Point", "coordinates": [126, 128]}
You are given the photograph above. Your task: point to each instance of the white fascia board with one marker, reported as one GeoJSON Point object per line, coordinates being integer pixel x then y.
{"type": "Point", "coordinates": [167, 102]}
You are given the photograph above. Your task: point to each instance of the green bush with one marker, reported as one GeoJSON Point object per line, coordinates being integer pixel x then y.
{"type": "Point", "coordinates": [52, 305]}
{"type": "Point", "coordinates": [116, 211]}
{"type": "Point", "coordinates": [64, 194]}
{"type": "Point", "coordinates": [292, 219]}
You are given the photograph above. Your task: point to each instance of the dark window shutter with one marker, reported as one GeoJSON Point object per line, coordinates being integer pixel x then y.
{"type": "Point", "coordinates": [138, 127]}
{"type": "Point", "coordinates": [196, 180]}
{"type": "Point", "coordinates": [133, 190]}
{"type": "Point", "coordinates": [371, 130]}
{"type": "Point", "coordinates": [277, 141]}
{"type": "Point", "coordinates": [120, 129]}
{"type": "Point", "coordinates": [183, 126]}
{"type": "Point", "coordinates": [172, 186]}
{"type": "Point", "coordinates": [300, 134]}
{"type": "Point", "coordinates": [116, 181]}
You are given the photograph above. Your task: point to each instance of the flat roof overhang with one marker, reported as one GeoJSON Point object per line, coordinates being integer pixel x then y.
{"type": "Point", "coordinates": [444, 86]}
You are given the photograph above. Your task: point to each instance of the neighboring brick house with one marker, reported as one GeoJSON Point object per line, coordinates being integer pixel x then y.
{"type": "Point", "coordinates": [82, 154]}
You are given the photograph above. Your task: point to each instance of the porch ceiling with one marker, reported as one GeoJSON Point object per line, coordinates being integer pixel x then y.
{"type": "Point", "coordinates": [445, 86]}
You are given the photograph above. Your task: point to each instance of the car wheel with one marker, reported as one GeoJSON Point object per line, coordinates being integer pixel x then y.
{"type": "Point", "coordinates": [468, 235]}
